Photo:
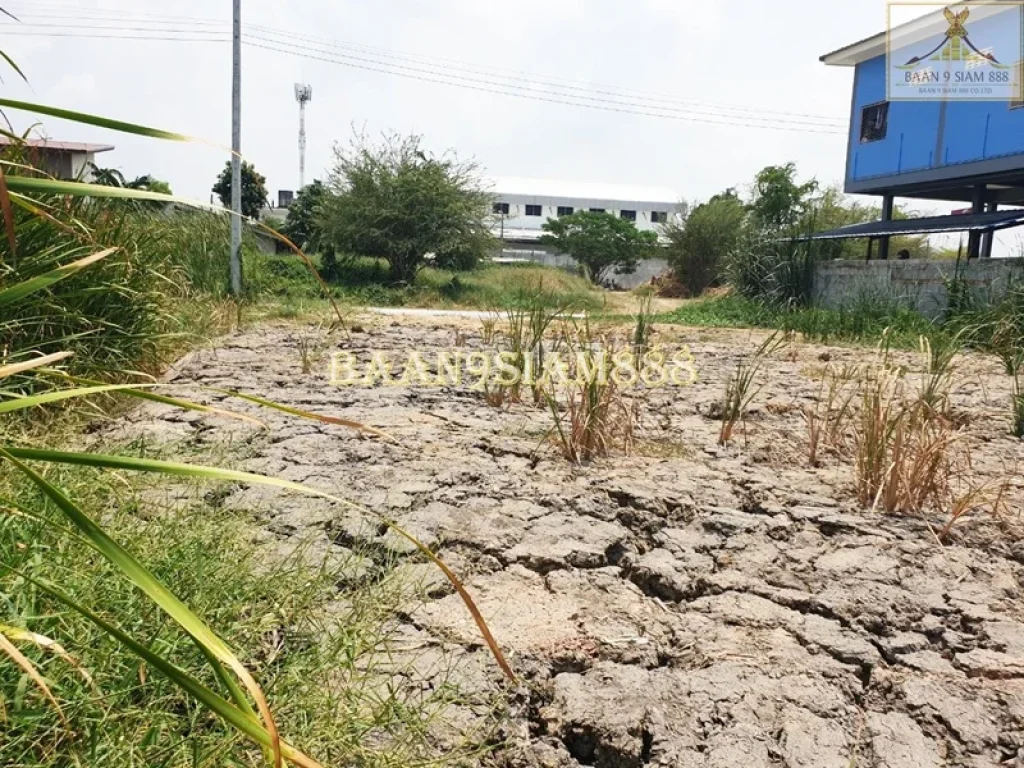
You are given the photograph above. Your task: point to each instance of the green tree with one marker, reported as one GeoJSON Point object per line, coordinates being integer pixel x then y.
{"type": "Point", "coordinates": [777, 202]}
{"type": "Point", "coordinates": [600, 243]}
{"type": "Point", "coordinates": [832, 209]}
{"type": "Point", "coordinates": [393, 200]}
{"type": "Point", "coordinates": [701, 243]}
{"type": "Point", "coordinates": [303, 225]}
{"type": "Point", "coordinates": [111, 177]}
{"type": "Point", "coordinates": [254, 189]}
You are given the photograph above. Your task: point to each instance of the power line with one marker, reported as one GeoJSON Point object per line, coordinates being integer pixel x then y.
{"type": "Point", "coordinates": [402, 70]}
{"type": "Point", "coordinates": [83, 36]}
{"type": "Point", "coordinates": [535, 89]}
{"type": "Point", "coordinates": [535, 97]}
{"type": "Point", "coordinates": [531, 77]}
{"type": "Point", "coordinates": [119, 28]}
{"type": "Point", "coordinates": [653, 101]}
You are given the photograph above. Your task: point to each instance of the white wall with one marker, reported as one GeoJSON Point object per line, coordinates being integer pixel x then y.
{"type": "Point", "coordinates": [79, 165]}
{"type": "Point", "coordinates": [518, 220]}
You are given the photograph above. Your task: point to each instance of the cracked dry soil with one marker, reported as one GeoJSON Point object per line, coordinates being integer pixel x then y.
{"type": "Point", "coordinates": [683, 606]}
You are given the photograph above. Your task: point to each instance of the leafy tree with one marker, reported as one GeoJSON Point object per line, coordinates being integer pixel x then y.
{"type": "Point", "coordinates": [700, 244]}
{"type": "Point", "coordinates": [303, 226]}
{"type": "Point", "coordinates": [254, 189]}
{"type": "Point", "coordinates": [600, 243]}
{"type": "Point", "coordinates": [111, 177]}
{"type": "Point", "coordinates": [832, 209]}
{"type": "Point", "coordinates": [395, 201]}
{"type": "Point", "coordinates": [777, 202]}
{"type": "Point", "coordinates": [478, 245]}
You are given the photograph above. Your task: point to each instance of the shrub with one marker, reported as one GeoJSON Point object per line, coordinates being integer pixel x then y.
{"type": "Point", "coordinates": [601, 243]}
{"type": "Point", "coordinates": [395, 202]}
{"type": "Point", "coordinates": [702, 243]}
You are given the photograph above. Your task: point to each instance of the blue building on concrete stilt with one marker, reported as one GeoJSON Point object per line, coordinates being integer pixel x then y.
{"type": "Point", "coordinates": [938, 114]}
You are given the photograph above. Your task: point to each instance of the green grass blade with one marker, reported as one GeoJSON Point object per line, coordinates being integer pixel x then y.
{"type": "Point", "coordinates": [10, 62]}
{"type": "Point", "coordinates": [235, 717]}
{"type": "Point", "coordinates": [80, 189]}
{"type": "Point", "coordinates": [19, 291]}
{"type": "Point", "coordinates": [131, 464]}
{"type": "Point", "coordinates": [142, 578]}
{"type": "Point", "coordinates": [131, 390]}
{"type": "Point", "coordinates": [305, 414]}
{"type": "Point", "coordinates": [102, 122]}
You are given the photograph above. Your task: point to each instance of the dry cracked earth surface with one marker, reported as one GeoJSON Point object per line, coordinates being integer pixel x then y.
{"type": "Point", "coordinates": [686, 605]}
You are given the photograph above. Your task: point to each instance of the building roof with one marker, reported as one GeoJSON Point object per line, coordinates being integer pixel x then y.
{"type": "Point", "coordinates": [59, 146]}
{"type": "Point", "coordinates": [577, 190]}
{"type": "Point", "coordinates": [973, 222]}
{"type": "Point", "coordinates": [899, 36]}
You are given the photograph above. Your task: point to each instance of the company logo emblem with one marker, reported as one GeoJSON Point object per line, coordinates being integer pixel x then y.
{"type": "Point", "coordinates": [967, 52]}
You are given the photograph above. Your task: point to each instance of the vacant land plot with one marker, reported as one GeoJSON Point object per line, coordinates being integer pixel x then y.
{"type": "Point", "coordinates": [688, 604]}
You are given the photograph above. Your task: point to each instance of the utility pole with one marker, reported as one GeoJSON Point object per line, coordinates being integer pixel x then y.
{"type": "Point", "coordinates": [236, 157]}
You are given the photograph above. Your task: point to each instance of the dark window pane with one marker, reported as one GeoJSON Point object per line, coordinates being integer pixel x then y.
{"type": "Point", "coordinates": [565, 210]}
{"type": "Point", "coordinates": [874, 122]}
{"type": "Point", "coordinates": [501, 208]}
{"type": "Point", "coordinates": [534, 210]}
{"type": "Point", "coordinates": [597, 210]}
{"type": "Point", "coordinates": [628, 215]}
{"type": "Point", "coordinates": [659, 217]}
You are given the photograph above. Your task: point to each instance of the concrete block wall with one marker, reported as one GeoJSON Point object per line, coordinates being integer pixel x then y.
{"type": "Point", "coordinates": [915, 283]}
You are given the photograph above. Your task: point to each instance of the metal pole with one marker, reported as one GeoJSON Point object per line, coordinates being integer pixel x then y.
{"type": "Point", "coordinates": [883, 241]}
{"type": "Point", "coordinates": [236, 157]}
{"type": "Point", "coordinates": [302, 144]}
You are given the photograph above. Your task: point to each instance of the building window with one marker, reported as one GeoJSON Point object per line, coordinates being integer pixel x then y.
{"type": "Point", "coordinates": [628, 215]}
{"type": "Point", "coordinates": [1019, 86]}
{"type": "Point", "coordinates": [566, 210]}
{"type": "Point", "coordinates": [534, 210]}
{"type": "Point", "coordinates": [597, 210]}
{"type": "Point", "coordinates": [501, 209]}
{"type": "Point", "coordinates": [874, 122]}
{"type": "Point", "coordinates": [659, 217]}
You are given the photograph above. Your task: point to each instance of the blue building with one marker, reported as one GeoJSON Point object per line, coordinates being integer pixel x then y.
{"type": "Point", "coordinates": [937, 113]}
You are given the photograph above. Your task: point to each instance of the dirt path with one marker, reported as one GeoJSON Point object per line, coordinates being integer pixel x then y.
{"type": "Point", "coordinates": [686, 606]}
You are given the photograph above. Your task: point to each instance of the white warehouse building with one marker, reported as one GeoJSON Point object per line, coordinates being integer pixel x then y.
{"type": "Point", "coordinates": [522, 206]}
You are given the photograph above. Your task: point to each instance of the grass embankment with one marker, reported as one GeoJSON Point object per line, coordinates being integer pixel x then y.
{"type": "Point", "coordinates": [284, 281]}
{"type": "Point", "coordinates": [860, 322]}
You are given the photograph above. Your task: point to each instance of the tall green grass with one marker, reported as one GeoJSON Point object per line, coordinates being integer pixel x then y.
{"type": "Point", "coordinates": [324, 654]}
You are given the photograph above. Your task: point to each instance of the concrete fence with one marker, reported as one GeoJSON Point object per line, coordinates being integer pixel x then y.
{"type": "Point", "coordinates": [917, 284]}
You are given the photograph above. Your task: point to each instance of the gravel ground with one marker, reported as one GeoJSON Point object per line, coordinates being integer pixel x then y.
{"type": "Point", "coordinates": [687, 605]}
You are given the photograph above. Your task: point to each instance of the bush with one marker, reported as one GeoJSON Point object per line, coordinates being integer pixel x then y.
{"type": "Point", "coordinates": [601, 243]}
{"type": "Point", "coordinates": [700, 246]}
{"type": "Point", "coordinates": [395, 202]}
{"type": "Point", "coordinates": [778, 272]}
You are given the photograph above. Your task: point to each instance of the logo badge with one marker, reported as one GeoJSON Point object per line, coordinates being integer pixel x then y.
{"type": "Point", "coordinates": [965, 52]}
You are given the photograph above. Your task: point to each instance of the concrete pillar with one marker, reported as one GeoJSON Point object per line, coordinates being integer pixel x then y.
{"type": "Point", "coordinates": [989, 238]}
{"type": "Point", "coordinates": [883, 241]}
{"type": "Point", "coordinates": [974, 237]}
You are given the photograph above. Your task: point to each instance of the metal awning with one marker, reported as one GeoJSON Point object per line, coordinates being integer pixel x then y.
{"type": "Point", "coordinates": [973, 222]}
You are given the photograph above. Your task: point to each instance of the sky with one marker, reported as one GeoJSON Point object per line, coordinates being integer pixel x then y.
{"type": "Point", "coordinates": [729, 60]}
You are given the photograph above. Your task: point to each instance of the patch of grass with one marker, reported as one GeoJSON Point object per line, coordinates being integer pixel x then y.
{"type": "Point", "coordinates": [590, 414]}
{"type": "Point", "coordinates": [366, 282]}
{"type": "Point", "coordinates": [740, 389]}
{"type": "Point", "coordinates": [863, 321]}
{"type": "Point", "coordinates": [324, 653]}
